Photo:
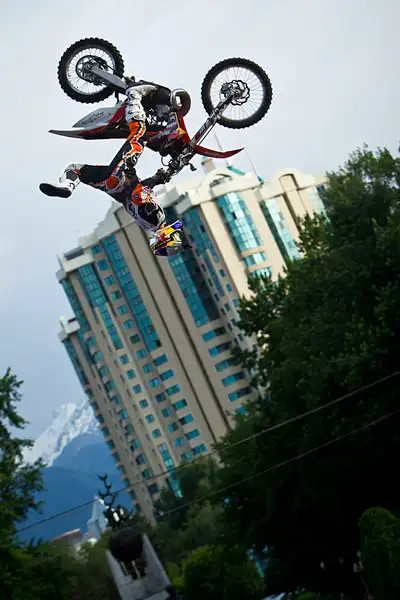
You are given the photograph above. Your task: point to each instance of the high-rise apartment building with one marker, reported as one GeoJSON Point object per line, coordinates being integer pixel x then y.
{"type": "Point", "coordinates": [151, 338]}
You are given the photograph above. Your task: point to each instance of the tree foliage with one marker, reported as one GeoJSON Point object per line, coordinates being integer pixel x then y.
{"type": "Point", "coordinates": [19, 482]}
{"type": "Point", "coordinates": [187, 521]}
{"type": "Point", "coordinates": [329, 326]}
{"type": "Point", "coordinates": [33, 571]}
{"type": "Point", "coordinates": [380, 552]}
{"type": "Point", "coordinates": [221, 573]}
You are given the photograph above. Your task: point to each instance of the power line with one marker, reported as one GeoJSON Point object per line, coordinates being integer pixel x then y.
{"type": "Point", "coordinates": [229, 447]}
{"type": "Point", "coordinates": [283, 463]}
{"type": "Point", "coordinates": [278, 465]}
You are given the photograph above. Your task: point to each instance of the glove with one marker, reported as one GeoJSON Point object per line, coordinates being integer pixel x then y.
{"type": "Point", "coordinates": [158, 179]}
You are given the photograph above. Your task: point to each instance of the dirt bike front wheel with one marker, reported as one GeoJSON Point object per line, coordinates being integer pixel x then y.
{"type": "Point", "coordinates": [252, 92]}
{"type": "Point", "coordinates": [76, 81]}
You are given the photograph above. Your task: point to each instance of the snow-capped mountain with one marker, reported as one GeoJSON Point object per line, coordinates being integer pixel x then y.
{"type": "Point", "coordinates": [69, 421]}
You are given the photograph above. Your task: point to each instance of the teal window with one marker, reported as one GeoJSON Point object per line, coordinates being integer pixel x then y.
{"type": "Point", "coordinates": [141, 353]}
{"type": "Point", "coordinates": [131, 374]}
{"type": "Point", "coordinates": [96, 296]}
{"type": "Point", "coordinates": [105, 431]}
{"type": "Point", "coordinates": [96, 249]}
{"type": "Point", "coordinates": [131, 293]}
{"type": "Point", "coordinates": [160, 397]}
{"type": "Point", "coordinates": [222, 273]}
{"type": "Point", "coordinates": [180, 404]}
{"type": "Point", "coordinates": [103, 371]}
{"type": "Point", "coordinates": [116, 457]}
{"type": "Point", "coordinates": [136, 389]}
{"type": "Point", "coordinates": [239, 394]}
{"type": "Point", "coordinates": [166, 456]}
{"type": "Point", "coordinates": [124, 359]}
{"type": "Point", "coordinates": [123, 309]}
{"type": "Point", "coordinates": [110, 444]}
{"type": "Point", "coordinates": [143, 403]}
{"type": "Point", "coordinates": [97, 356]}
{"type": "Point", "coordinates": [110, 385]}
{"type": "Point", "coordinates": [230, 379]}
{"type": "Point", "coordinates": [129, 324]}
{"type": "Point", "coordinates": [235, 302]}
{"type": "Point", "coordinates": [228, 287]}
{"type": "Point", "coordinates": [129, 428]}
{"type": "Point", "coordinates": [277, 224]}
{"type": "Point", "coordinates": [225, 364]}
{"type": "Point", "coordinates": [186, 456]}
{"type": "Point", "coordinates": [213, 333]}
{"type": "Point", "coordinates": [173, 390]}
{"type": "Point", "coordinates": [141, 459]}
{"type": "Point", "coordinates": [109, 280]}
{"type": "Point", "coordinates": [90, 342]}
{"type": "Point", "coordinates": [167, 374]}
{"type": "Point", "coordinates": [154, 382]}
{"type": "Point", "coordinates": [153, 489]}
{"type": "Point", "coordinates": [102, 264]}
{"type": "Point", "coordinates": [123, 415]}
{"type": "Point", "coordinates": [190, 279]}
{"type": "Point", "coordinates": [122, 469]}
{"type": "Point", "coordinates": [191, 435]}
{"type": "Point", "coordinates": [241, 410]}
{"type": "Point", "coordinates": [199, 449]}
{"type": "Point", "coordinates": [186, 419]}
{"type": "Point", "coordinates": [100, 419]}
{"type": "Point", "coordinates": [134, 339]}
{"type": "Point", "coordinates": [147, 473]}
{"type": "Point", "coordinates": [147, 368]}
{"type": "Point", "coordinates": [149, 418]}
{"type": "Point", "coordinates": [160, 360]}
{"type": "Point", "coordinates": [227, 307]}
{"type": "Point", "coordinates": [219, 349]}
{"type": "Point", "coordinates": [116, 295]}
{"type": "Point", "coordinates": [94, 405]}
{"type": "Point", "coordinates": [156, 433]}
{"type": "Point", "coordinates": [239, 222]}
{"type": "Point", "coordinates": [179, 441]}
{"type": "Point", "coordinates": [166, 412]}
{"type": "Point", "coordinates": [172, 427]}
{"type": "Point", "coordinates": [267, 272]}
{"type": "Point", "coordinates": [135, 444]}
{"type": "Point", "coordinates": [116, 400]}
{"type": "Point", "coordinates": [254, 259]}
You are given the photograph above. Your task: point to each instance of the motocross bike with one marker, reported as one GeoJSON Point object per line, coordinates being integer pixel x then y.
{"type": "Point", "coordinates": [236, 93]}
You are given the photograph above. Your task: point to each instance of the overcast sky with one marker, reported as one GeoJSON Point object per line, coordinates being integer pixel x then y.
{"type": "Point", "coordinates": [334, 66]}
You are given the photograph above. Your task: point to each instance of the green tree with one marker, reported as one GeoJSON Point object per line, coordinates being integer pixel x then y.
{"type": "Point", "coordinates": [187, 521]}
{"type": "Point", "coordinates": [329, 326]}
{"type": "Point", "coordinates": [220, 573]}
{"type": "Point", "coordinates": [44, 571]}
{"type": "Point", "coordinates": [36, 571]}
{"type": "Point", "coordinates": [380, 552]}
{"type": "Point", "coordinates": [19, 483]}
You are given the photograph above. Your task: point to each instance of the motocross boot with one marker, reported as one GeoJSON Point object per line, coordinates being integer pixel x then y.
{"type": "Point", "coordinates": [66, 183]}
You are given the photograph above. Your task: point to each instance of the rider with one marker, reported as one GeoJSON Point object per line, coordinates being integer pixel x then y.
{"type": "Point", "coordinates": [119, 179]}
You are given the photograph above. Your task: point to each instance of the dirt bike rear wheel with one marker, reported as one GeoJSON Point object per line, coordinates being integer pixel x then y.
{"type": "Point", "coordinates": [70, 74]}
{"type": "Point", "coordinates": [244, 75]}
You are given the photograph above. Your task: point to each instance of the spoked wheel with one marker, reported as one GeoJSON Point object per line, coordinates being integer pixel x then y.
{"type": "Point", "coordinates": [75, 79]}
{"type": "Point", "coordinates": [252, 87]}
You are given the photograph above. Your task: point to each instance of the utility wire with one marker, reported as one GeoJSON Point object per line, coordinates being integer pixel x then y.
{"type": "Point", "coordinates": [242, 441]}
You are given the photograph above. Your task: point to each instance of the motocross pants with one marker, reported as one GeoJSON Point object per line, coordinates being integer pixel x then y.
{"type": "Point", "coordinates": [119, 179]}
